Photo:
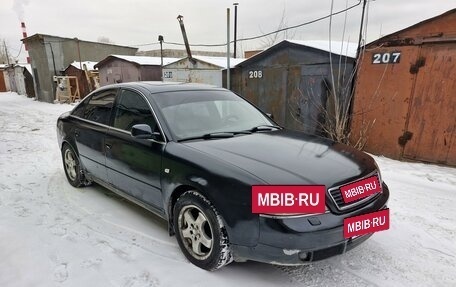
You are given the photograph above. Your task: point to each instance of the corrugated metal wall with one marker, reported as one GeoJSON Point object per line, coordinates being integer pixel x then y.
{"type": "Point", "coordinates": [186, 71]}
{"type": "Point", "coordinates": [118, 71]}
{"type": "Point", "coordinates": [293, 85]}
{"type": "Point", "coordinates": [432, 112]}
{"type": "Point", "coordinates": [151, 73]}
{"type": "Point", "coordinates": [407, 108]}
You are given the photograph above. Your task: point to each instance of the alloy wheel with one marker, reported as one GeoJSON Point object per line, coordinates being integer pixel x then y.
{"type": "Point", "coordinates": [196, 232]}
{"type": "Point", "coordinates": [70, 164]}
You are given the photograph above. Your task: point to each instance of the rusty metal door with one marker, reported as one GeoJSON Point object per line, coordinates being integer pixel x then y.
{"type": "Point", "coordinates": [266, 88]}
{"type": "Point", "coordinates": [313, 90]}
{"type": "Point", "coordinates": [2, 82]}
{"type": "Point", "coordinates": [431, 124]}
{"type": "Point", "coordinates": [381, 101]}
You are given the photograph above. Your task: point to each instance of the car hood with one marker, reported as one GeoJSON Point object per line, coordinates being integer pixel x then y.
{"type": "Point", "coordinates": [288, 157]}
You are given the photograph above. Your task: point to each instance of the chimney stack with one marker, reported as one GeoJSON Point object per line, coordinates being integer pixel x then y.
{"type": "Point", "coordinates": [24, 35]}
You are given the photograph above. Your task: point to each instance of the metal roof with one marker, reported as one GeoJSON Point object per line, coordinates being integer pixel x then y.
{"type": "Point", "coordinates": [89, 64]}
{"type": "Point", "coordinates": [145, 60]}
{"type": "Point", "coordinates": [216, 61]}
{"type": "Point", "coordinates": [23, 65]}
{"type": "Point", "coordinates": [219, 61]}
{"type": "Point", "coordinates": [336, 47]}
{"type": "Point", "coordinates": [346, 49]}
{"type": "Point", "coordinates": [39, 36]}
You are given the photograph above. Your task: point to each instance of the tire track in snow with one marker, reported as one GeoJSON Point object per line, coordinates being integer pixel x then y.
{"type": "Point", "coordinates": [61, 191]}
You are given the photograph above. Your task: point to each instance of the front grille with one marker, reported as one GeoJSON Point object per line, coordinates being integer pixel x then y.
{"type": "Point", "coordinates": [336, 195]}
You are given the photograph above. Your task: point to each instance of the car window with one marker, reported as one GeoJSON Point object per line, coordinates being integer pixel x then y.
{"type": "Point", "coordinates": [78, 111]}
{"type": "Point", "coordinates": [190, 114]}
{"type": "Point", "coordinates": [132, 109]}
{"type": "Point", "coordinates": [98, 108]}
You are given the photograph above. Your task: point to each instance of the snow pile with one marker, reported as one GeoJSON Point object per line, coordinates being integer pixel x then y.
{"type": "Point", "coordinates": [52, 234]}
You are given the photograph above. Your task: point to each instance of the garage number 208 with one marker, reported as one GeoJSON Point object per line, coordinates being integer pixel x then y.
{"type": "Point", "coordinates": [256, 74]}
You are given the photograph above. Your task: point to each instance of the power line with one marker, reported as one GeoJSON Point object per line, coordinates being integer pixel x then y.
{"type": "Point", "coordinates": [148, 44]}
{"type": "Point", "coordinates": [267, 34]}
{"type": "Point", "coordinates": [303, 24]}
{"type": "Point", "coordinates": [196, 45]}
{"type": "Point", "coordinates": [20, 50]}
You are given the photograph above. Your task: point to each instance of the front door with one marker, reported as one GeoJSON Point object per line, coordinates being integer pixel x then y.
{"type": "Point", "coordinates": [134, 165]}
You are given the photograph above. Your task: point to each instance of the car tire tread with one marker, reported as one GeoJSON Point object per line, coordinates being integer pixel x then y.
{"type": "Point", "coordinates": [222, 255]}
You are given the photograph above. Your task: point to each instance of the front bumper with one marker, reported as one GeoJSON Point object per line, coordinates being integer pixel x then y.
{"type": "Point", "coordinates": [301, 240]}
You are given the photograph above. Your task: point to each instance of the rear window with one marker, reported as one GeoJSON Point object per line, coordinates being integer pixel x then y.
{"type": "Point", "coordinates": [98, 108]}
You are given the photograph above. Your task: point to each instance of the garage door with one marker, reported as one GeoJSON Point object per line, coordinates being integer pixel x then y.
{"type": "Point", "coordinates": [432, 114]}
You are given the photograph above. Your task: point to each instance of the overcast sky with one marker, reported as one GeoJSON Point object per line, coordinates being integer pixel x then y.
{"type": "Point", "coordinates": [136, 22]}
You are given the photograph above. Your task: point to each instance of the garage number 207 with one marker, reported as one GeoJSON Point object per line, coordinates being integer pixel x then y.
{"type": "Point", "coordinates": [386, 58]}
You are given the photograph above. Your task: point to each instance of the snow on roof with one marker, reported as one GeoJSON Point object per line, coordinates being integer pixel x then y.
{"type": "Point", "coordinates": [27, 66]}
{"type": "Point", "coordinates": [89, 64]}
{"type": "Point", "coordinates": [23, 65]}
{"type": "Point", "coordinates": [337, 47]}
{"type": "Point", "coordinates": [216, 61]}
{"type": "Point", "coordinates": [145, 60]}
{"type": "Point", "coordinates": [219, 61]}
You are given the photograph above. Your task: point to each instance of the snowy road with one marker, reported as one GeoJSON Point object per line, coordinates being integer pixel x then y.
{"type": "Point", "coordinates": [52, 234]}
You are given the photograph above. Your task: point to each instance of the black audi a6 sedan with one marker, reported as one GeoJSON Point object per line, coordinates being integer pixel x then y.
{"type": "Point", "coordinates": [191, 153]}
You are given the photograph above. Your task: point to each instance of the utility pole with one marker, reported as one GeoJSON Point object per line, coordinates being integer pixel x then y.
{"type": "Point", "coordinates": [79, 53]}
{"type": "Point", "coordinates": [361, 29]}
{"type": "Point", "coordinates": [235, 28]}
{"type": "Point", "coordinates": [184, 35]}
{"type": "Point", "coordinates": [228, 48]}
{"type": "Point", "coordinates": [53, 60]}
{"type": "Point", "coordinates": [356, 63]}
{"type": "Point", "coordinates": [6, 52]}
{"type": "Point", "coordinates": [161, 39]}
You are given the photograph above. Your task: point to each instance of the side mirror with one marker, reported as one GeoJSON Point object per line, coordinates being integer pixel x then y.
{"type": "Point", "coordinates": [143, 131]}
{"type": "Point", "coordinates": [270, 115]}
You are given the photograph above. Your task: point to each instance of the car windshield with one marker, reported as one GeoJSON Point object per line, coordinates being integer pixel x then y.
{"type": "Point", "coordinates": [193, 114]}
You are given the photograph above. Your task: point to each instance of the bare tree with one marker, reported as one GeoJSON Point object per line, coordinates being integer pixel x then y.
{"type": "Point", "coordinates": [326, 110]}
{"type": "Point", "coordinates": [103, 39]}
{"type": "Point", "coordinates": [329, 109]}
{"type": "Point", "coordinates": [276, 37]}
{"type": "Point", "coordinates": [5, 57]}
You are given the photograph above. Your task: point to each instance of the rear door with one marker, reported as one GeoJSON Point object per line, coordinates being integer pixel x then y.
{"type": "Point", "coordinates": [134, 165]}
{"type": "Point", "coordinates": [90, 131]}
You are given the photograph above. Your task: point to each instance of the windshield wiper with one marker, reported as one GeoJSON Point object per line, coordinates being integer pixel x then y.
{"type": "Point", "coordinates": [216, 135]}
{"type": "Point", "coordinates": [264, 128]}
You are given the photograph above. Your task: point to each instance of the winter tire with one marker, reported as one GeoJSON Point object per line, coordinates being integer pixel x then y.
{"type": "Point", "coordinates": [200, 232]}
{"type": "Point", "coordinates": [72, 166]}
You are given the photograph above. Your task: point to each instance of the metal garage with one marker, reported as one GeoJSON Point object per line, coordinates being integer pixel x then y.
{"type": "Point", "coordinates": [293, 81]}
{"type": "Point", "coordinates": [405, 104]}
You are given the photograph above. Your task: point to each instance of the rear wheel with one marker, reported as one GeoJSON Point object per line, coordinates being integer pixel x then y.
{"type": "Point", "coordinates": [200, 232]}
{"type": "Point", "coordinates": [72, 167]}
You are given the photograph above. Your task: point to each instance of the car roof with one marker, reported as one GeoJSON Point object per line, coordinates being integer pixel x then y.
{"type": "Point", "coordinates": [160, 87]}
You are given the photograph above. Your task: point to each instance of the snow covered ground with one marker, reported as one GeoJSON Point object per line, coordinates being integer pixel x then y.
{"type": "Point", "coordinates": [52, 234]}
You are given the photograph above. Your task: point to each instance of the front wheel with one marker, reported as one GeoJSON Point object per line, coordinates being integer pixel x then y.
{"type": "Point", "coordinates": [72, 167]}
{"type": "Point", "coordinates": [200, 232]}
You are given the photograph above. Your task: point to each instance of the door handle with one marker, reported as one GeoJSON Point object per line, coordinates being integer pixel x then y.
{"type": "Point", "coordinates": [76, 133]}
{"type": "Point", "coordinates": [108, 146]}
